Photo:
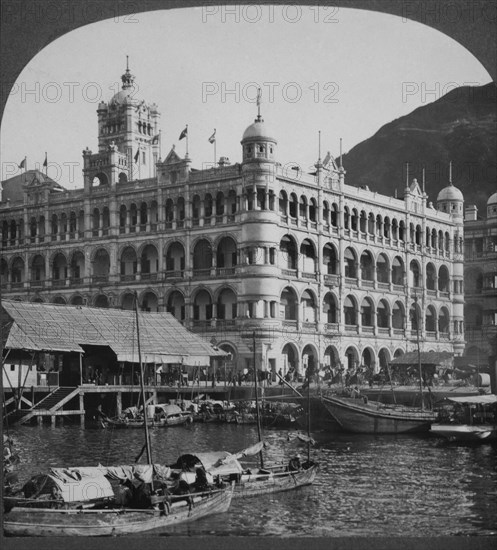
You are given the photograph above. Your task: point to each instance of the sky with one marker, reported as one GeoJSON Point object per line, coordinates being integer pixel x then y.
{"type": "Point", "coordinates": [342, 72]}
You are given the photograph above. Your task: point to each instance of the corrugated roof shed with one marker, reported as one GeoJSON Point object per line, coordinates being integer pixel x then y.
{"type": "Point", "coordinates": [427, 358]}
{"type": "Point", "coordinates": [48, 327]}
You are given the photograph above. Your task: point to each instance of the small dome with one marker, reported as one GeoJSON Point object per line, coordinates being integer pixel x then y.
{"type": "Point", "coordinates": [492, 200]}
{"type": "Point", "coordinates": [124, 96]}
{"type": "Point", "coordinates": [257, 130]}
{"type": "Point", "coordinates": [450, 193]}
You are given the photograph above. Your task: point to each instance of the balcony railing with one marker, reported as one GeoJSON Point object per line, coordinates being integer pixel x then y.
{"type": "Point", "coordinates": [223, 271]}
{"type": "Point", "coordinates": [201, 273]}
{"type": "Point", "coordinates": [174, 274]}
{"type": "Point", "coordinates": [331, 280]}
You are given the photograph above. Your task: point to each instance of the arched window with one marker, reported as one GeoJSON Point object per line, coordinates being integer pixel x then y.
{"type": "Point", "coordinates": [349, 310]}
{"type": "Point", "coordinates": [350, 263]}
{"type": "Point", "coordinates": [367, 313]}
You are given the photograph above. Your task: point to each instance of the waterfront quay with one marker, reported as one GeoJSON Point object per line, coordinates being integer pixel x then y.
{"type": "Point", "coordinates": [56, 404]}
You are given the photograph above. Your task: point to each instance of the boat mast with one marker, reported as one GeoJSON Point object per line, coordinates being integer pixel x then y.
{"type": "Point", "coordinates": [257, 412]}
{"type": "Point", "coordinates": [142, 387]}
{"type": "Point", "coordinates": [308, 414]}
{"type": "Point", "coordinates": [419, 354]}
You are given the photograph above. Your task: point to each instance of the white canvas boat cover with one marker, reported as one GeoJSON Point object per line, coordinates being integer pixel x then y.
{"type": "Point", "coordinates": [49, 327]}
{"type": "Point", "coordinates": [142, 472]}
{"type": "Point", "coordinates": [213, 462]}
{"type": "Point", "coordinates": [475, 399]}
{"type": "Point", "coordinates": [169, 409]}
{"type": "Point", "coordinates": [79, 486]}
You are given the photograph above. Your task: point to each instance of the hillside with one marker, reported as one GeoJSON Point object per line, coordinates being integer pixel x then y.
{"type": "Point", "coordinates": [460, 126]}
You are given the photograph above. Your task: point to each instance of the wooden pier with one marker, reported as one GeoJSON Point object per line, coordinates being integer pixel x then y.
{"type": "Point", "coordinates": [59, 402]}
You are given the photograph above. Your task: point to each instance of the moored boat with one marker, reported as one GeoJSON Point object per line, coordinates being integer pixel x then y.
{"type": "Point", "coordinates": [224, 467]}
{"type": "Point", "coordinates": [359, 415]}
{"type": "Point", "coordinates": [468, 419]}
{"type": "Point", "coordinates": [158, 416]}
{"type": "Point", "coordinates": [25, 521]}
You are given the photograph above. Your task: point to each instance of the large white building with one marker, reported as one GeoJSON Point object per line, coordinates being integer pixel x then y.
{"type": "Point", "coordinates": [480, 282]}
{"type": "Point", "coordinates": [322, 271]}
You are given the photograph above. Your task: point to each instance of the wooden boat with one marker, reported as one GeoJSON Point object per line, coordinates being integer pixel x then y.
{"type": "Point", "coordinates": [24, 521]}
{"type": "Point", "coordinates": [468, 419]}
{"type": "Point", "coordinates": [224, 467]}
{"type": "Point", "coordinates": [358, 415]}
{"type": "Point", "coordinates": [158, 416]}
{"type": "Point", "coordinates": [464, 432]}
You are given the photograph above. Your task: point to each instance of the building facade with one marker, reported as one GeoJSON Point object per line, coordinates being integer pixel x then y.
{"type": "Point", "coordinates": [480, 277]}
{"type": "Point", "coordinates": [310, 269]}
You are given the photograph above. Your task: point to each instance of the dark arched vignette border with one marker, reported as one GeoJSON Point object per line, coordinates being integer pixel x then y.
{"type": "Point", "coordinates": [472, 23]}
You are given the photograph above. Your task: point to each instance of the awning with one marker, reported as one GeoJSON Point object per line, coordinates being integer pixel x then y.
{"type": "Point", "coordinates": [425, 357]}
{"type": "Point", "coordinates": [475, 399]}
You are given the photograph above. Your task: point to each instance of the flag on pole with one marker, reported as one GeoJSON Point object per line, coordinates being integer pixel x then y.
{"type": "Point", "coordinates": [45, 162]}
{"type": "Point", "coordinates": [22, 163]}
{"type": "Point", "coordinates": [212, 139]}
{"type": "Point", "coordinates": [137, 156]}
{"type": "Point", "coordinates": [184, 133]}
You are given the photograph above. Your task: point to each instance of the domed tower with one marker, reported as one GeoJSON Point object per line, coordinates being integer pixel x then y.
{"type": "Point", "coordinates": [259, 221]}
{"type": "Point", "coordinates": [128, 137]}
{"type": "Point", "coordinates": [451, 201]}
{"type": "Point", "coordinates": [492, 206]}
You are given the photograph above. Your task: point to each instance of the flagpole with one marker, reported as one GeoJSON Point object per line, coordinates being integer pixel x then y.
{"type": "Point", "coordinates": [215, 156]}
{"type": "Point", "coordinates": [319, 145]}
{"type": "Point", "coordinates": [160, 144]}
{"type": "Point", "coordinates": [46, 164]}
{"type": "Point", "coordinates": [186, 140]}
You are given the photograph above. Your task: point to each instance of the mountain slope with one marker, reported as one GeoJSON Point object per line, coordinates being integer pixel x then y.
{"type": "Point", "coordinates": [460, 126]}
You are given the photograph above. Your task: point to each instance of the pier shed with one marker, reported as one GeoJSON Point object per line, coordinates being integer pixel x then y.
{"type": "Point", "coordinates": [70, 349]}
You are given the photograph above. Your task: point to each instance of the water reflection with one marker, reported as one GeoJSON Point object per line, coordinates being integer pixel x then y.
{"type": "Point", "coordinates": [367, 485]}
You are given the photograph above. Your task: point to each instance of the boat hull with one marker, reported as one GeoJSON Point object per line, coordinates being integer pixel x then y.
{"type": "Point", "coordinates": [356, 416]}
{"type": "Point", "coordinates": [140, 424]}
{"type": "Point", "coordinates": [464, 432]}
{"type": "Point", "coordinates": [113, 522]}
{"type": "Point", "coordinates": [265, 484]}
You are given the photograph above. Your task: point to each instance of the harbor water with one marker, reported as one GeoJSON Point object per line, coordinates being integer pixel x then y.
{"type": "Point", "coordinates": [402, 485]}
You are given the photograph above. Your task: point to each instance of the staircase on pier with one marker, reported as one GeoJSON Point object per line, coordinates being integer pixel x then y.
{"type": "Point", "coordinates": [51, 405]}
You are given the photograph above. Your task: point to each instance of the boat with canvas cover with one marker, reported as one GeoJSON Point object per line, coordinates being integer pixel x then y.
{"type": "Point", "coordinates": [159, 415]}
{"type": "Point", "coordinates": [468, 419]}
{"type": "Point", "coordinates": [224, 467]}
{"type": "Point", "coordinates": [82, 502]}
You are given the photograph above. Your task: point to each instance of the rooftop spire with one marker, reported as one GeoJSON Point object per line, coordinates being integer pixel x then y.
{"type": "Point", "coordinates": [450, 172]}
{"type": "Point", "coordinates": [258, 101]}
{"type": "Point", "coordinates": [127, 78]}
